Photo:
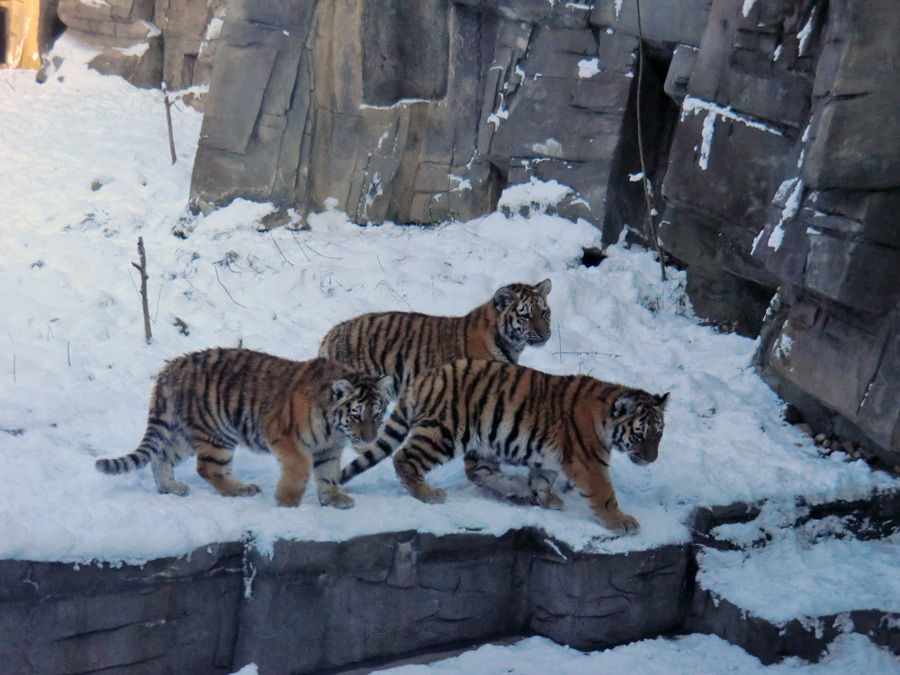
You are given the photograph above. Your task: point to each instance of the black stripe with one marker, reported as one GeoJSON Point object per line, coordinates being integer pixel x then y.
{"type": "Point", "coordinates": [499, 407]}
{"type": "Point", "coordinates": [393, 433]}
{"type": "Point", "coordinates": [213, 460]}
{"type": "Point", "coordinates": [503, 350]}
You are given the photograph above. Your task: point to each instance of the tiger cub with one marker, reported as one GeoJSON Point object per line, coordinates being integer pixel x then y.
{"type": "Point", "coordinates": [495, 412]}
{"type": "Point", "coordinates": [210, 401]}
{"type": "Point", "coordinates": [404, 344]}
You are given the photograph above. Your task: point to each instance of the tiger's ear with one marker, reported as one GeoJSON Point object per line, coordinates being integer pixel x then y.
{"type": "Point", "coordinates": [662, 400]}
{"type": "Point", "coordinates": [544, 287]}
{"type": "Point", "coordinates": [623, 406]}
{"type": "Point", "coordinates": [502, 297]}
{"type": "Point", "coordinates": [385, 385]}
{"type": "Point", "coordinates": [341, 388]}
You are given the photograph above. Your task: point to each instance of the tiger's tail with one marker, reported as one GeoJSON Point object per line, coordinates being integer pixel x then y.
{"type": "Point", "coordinates": [156, 438]}
{"type": "Point", "coordinates": [389, 439]}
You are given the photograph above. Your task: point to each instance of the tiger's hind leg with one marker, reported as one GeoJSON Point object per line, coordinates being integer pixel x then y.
{"type": "Point", "coordinates": [164, 473]}
{"type": "Point", "coordinates": [486, 473]}
{"type": "Point", "coordinates": [541, 482]}
{"type": "Point", "coordinates": [428, 444]}
{"type": "Point", "coordinates": [214, 465]}
{"type": "Point", "coordinates": [163, 466]}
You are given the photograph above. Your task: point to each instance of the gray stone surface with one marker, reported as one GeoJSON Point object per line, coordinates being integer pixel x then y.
{"type": "Point", "coordinates": [400, 132]}
{"type": "Point", "coordinates": [168, 616]}
{"type": "Point", "coordinates": [806, 637]}
{"type": "Point", "coordinates": [148, 42]}
{"type": "Point", "coordinates": [318, 605]}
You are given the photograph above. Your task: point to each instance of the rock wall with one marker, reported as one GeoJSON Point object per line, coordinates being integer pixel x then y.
{"type": "Point", "coordinates": [413, 116]}
{"type": "Point", "coordinates": [319, 605]}
{"type": "Point", "coordinates": [149, 42]}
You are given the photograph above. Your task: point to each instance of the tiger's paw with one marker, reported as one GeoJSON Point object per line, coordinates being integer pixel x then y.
{"type": "Point", "coordinates": [175, 488]}
{"type": "Point", "coordinates": [431, 495]}
{"type": "Point", "coordinates": [288, 496]}
{"type": "Point", "coordinates": [551, 501]}
{"type": "Point", "coordinates": [625, 524]}
{"type": "Point", "coordinates": [339, 500]}
{"type": "Point", "coordinates": [248, 490]}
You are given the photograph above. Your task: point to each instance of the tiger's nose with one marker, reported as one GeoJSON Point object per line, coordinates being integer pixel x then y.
{"type": "Point", "coordinates": [368, 429]}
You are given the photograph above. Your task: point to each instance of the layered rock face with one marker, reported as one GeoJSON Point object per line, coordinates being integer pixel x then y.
{"type": "Point", "coordinates": [771, 130]}
{"type": "Point", "coordinates": [149, 42]}
{"type": "Point", "coordinates": [414, 112]}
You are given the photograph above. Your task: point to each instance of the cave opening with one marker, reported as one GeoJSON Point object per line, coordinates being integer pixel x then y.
{"type": "Point", "coordinates": [406, 51]}
{"type": "Point", "coordinates": [659, 117]}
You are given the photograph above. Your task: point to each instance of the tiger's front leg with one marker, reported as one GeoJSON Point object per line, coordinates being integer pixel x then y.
{"type": "Point", "coordinates": [595, 484]}
{"type": "Point", "coordinates": [327, 471]}
{"type": "Point", "coordinates": [296, 464]}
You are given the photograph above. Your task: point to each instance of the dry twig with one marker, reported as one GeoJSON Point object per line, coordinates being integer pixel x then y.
{"type": "Point", "coordinates": [142, 268]}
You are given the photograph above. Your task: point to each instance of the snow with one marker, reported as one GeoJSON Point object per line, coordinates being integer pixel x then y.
{"type": "Point", "coordinates": [686, 655]}
{"type": "Point", "coordinates": [695, 105]}
{"type": "Point", "coordinates": [805, 33]}
{"type": "Point", "coordinates": [549, 147]}
{"type": "Point", "coordinates": [588, 67]}
{"type": "Point", "coordinates": [214, 29]}
{"type": "Point", "coordinates": [748, 5]}
{"type": "Point", "coordinates": [534, 196]}
{"type": "Point", "coordinates": [707, 135]}
{"type": "Point", "coordinates": [757, 239]}
{"type": "Point", "coordinates": [87, 170]}
{"type": "Point", "coordinates": [792, 205]}
{"type": "Point", "coordinates": [802, 571]}
{"type": "Point", "coordinates": [776, 237]}
{"type": "Point", "coordinates": [137, 49]}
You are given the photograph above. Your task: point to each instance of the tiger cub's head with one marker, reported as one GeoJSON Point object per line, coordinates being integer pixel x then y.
{"type": "Point", "coordinates": [358, 405]}
{"type": "Point", "coordinates": [637, 425]}
{"type": "Point", "coordinates": [524, 314]}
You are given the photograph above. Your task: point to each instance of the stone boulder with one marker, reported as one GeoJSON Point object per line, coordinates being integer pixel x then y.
{"type": "Point", "coordinates": [336, 99]}
{"type": "Point", "coordinates": [149, 42]}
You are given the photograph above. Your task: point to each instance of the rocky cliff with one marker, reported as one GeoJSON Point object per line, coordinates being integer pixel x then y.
{"type": "Point", "coordinates": [770, 128]}
{"type": "Point", "coordinates": [149, 42]}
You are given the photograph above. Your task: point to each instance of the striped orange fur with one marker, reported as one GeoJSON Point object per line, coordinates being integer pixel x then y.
{"type": "Point", "coordinates": [208, 402]}
{"type": "Point", "coordinates": [404, 344]}
{"type": "Point", "coordinates": [497, 413]}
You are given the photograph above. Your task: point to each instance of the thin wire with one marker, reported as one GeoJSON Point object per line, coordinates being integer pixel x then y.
{"type": "Point", "coordinates": [654, 239]}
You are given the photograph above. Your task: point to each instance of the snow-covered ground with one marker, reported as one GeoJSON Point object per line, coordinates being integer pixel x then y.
{"type": "Point", "coordinates": [689, 655]}
{"type": "Point", "coordinates": [817, 569]}
{"type": "Point", "coordinates": [85, 171]}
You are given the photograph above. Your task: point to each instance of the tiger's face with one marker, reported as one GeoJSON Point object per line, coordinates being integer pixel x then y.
{"type": "Point", "coordinates": [359, 402]}
{"type": "Point", "coordinates": [638, 426]}
{"type": "Point", "coordinates": [524, 313]}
